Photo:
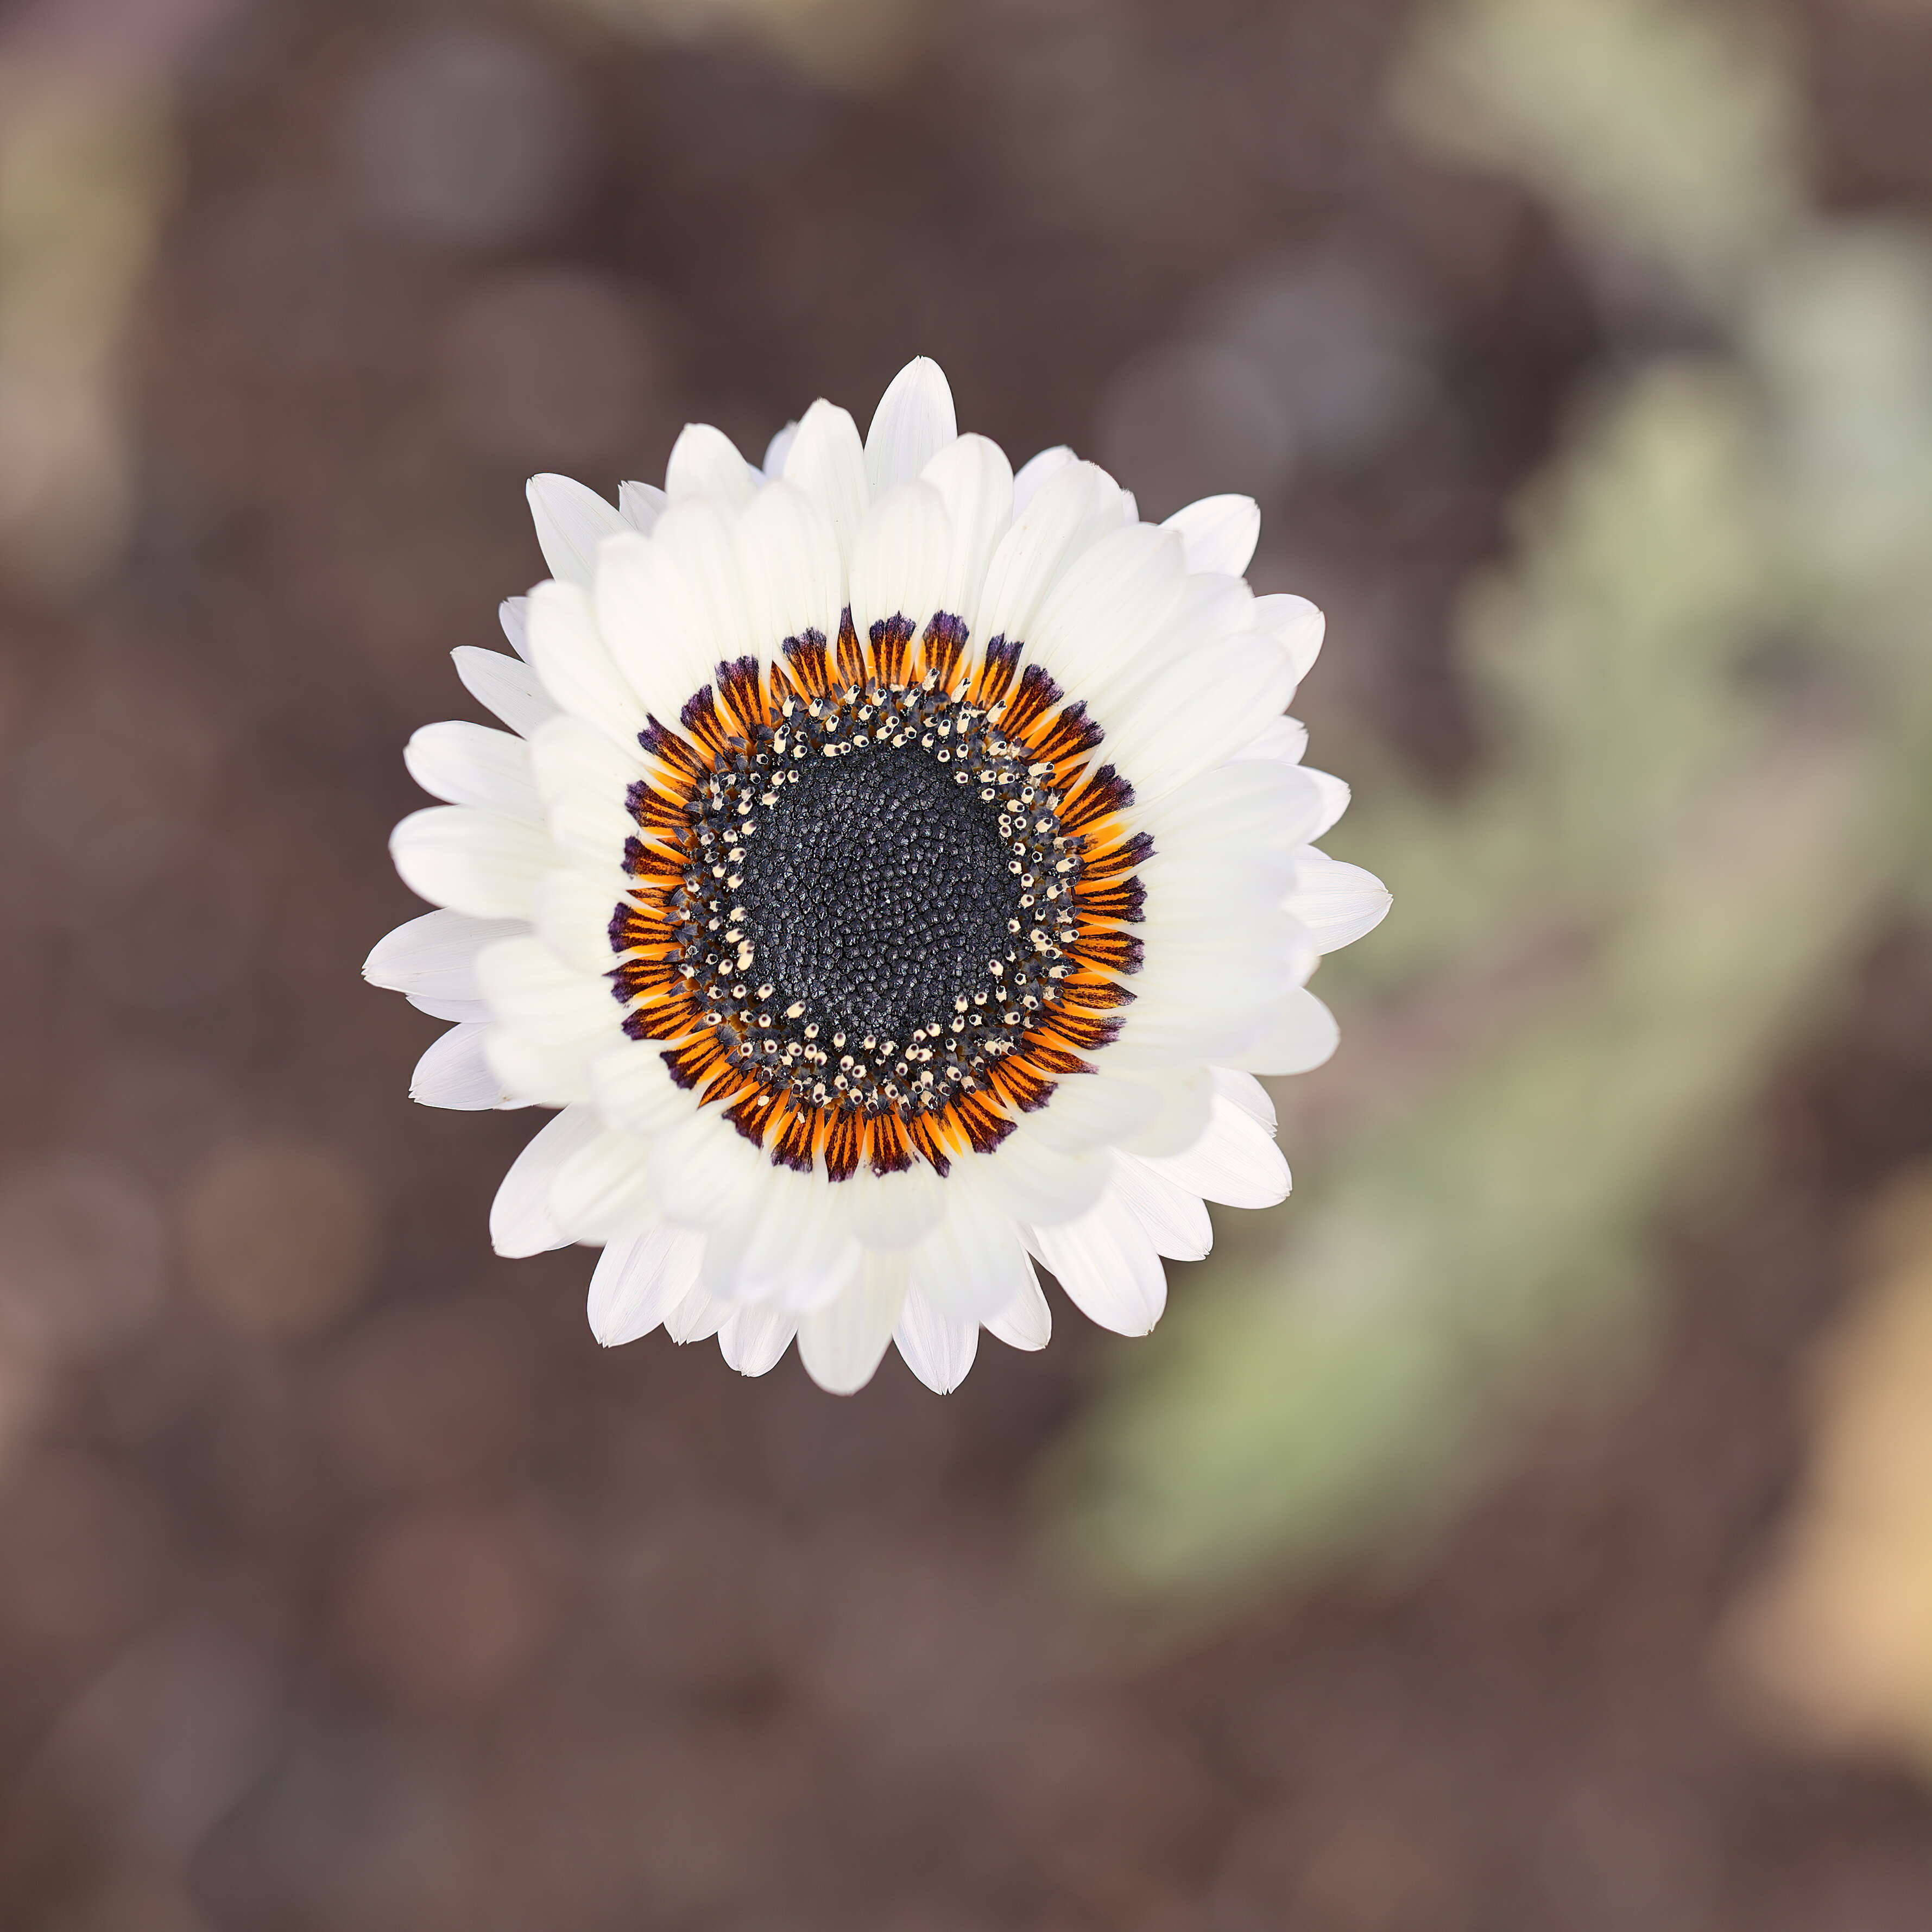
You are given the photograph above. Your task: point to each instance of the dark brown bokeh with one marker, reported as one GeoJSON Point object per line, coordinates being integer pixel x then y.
{"type": "Point", "coordinates": [345, 1585]}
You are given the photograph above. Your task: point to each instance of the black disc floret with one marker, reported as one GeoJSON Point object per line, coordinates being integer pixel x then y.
{"type": "Point", "coordinates": [877, 898]}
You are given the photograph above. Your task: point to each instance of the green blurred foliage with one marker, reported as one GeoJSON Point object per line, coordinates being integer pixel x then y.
{"type": "Point", "coordinates": [1664, 132]}
{"type": "Point", "coordinates": [1707, 670]}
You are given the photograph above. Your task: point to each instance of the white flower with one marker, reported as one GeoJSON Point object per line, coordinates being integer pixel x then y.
{"type": "Point", "coordinates": [896, 870]}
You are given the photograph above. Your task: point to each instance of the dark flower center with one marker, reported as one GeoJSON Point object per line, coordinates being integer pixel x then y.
{"type": "Point", "coordinates": [876, 890]}
{"type": "Point", "coordinates": [879, 899]}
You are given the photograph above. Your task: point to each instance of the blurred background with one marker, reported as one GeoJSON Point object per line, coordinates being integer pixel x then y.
{"type": "Point", "coordinates": [1526, 1528]}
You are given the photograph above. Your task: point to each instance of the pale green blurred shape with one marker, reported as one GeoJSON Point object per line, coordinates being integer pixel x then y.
{"type": "Point", "coordinates": [1709, 672]}
{"type": "Point", "coordinates": [1664, 132]}
{"type": "Point", "coordinates": [88, 166]}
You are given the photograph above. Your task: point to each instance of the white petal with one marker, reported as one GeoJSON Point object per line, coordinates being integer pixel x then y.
{"type": "Point", "coordinates": [514, 614]}
{"type": "Point", "coordinates": [576, 668]}
{"type": "Point", "coordinates": [440, 1009]}
{"type": "Point", "coordinates": [737, 1324]}
{"type": "Point", "coordinates": [1337, 901]}
{"type": "Point", "coordinates": [791, 1244]}
{"type": "Point", "coordinates": [1102, 629]}
{"type": "Point", "coordinates": [634, 1090]}
{"type": "Point", "coordinates": [1032, 473]}
{"type": "Point", "coordinates": [507, 686]}
{"type": "Point", "coordinates": [1213, 608]}
{"type": "Point", "coordinates": [971, 1265]}
{"type": "Point", "coordinates": [639, 1281]}
{"type": "Point", "coordinates": [1334, 800]}
{"type": "Point", "coordinates": [592, 833]}
{"type": "Point", "coordinates": [641, 505]}
{"type": "Point", "coordinates": [1029, 1181]}
{"type": "Point", "coordinates": [1235, 1162]}
{"type": "Point", "coordinates": [1174, 1219]}
{"type": "Point", "coordinates": [537, 1071]}
{"type": "Point", "coordinates": [892, 1210]}
{"type": "Point", "coordinates": [1242, 949]}
{"type": "Point", "coordinates": [1244, 1091]}
{"type": "Point", "coordinates": [1296, 625]}
{"type": "Point", "coordinates": [478, 862]}
{"type": "Point", "coordinates": [938, 1348]}
{"type": "Point", "coordinates": [1249, 805]}
{"type": "Point", "coordinates": [532, 990]}
{"type": "Point", "coordinates": [1220, 898]}
{"type": "Point", "coordinates": [1284, 740]}
{"type": "Point", "coordinates": [696, 617]}
{"type": "Point", "coordinates": [583, 778]}
{"type": "Point", "coordinates": [802, 1289]}
{"type": "Point", "coordinates": [1240, 965]}
{"type": "Point", "coordinates": [1108, 1267]}
{"type": "Point", "coordinates": [1088, 1110]}
{"type": "Point", "coordinates": [519, 1216]}
{"type": "Point", "coordinates": [705, 462]}
{"type": "Point", "coordinates": [454, 1073]}
{"type": "Point", "coordinates": [698, 1315]}
{"type": "Point", "coordinates": [1201, 882]}
{"type": "Point", "coordinates": [1299, 1035]}
{"type": "Point", "coordinates": [1074, 508]}
{"type": "Point", "coordinates": [841, 1343]}
{"type": "Point", "coordinates": [602, 1193]}
{"type": "Point", "coordinates": [1220, 533]}
{"type": "Point", "coordinates": [1184, 1098]}
{"type": "Point", "coordinates": [470, 764]}
{"type": "Point", "coordinates": [571, 521]}
{"type": "Point", "coordinates": [753, 1338]}
{"type": "Point", "coordinates": [654, 627]}
{"type": "Point", "coordinates": [975, 481]}
{"type": "Point", "coordinates": [1182, 1021]}
{"type": "Point", "coordinates": [794, 1248]}
{"type": "Point", "coordinates": [573, 911]}
{"type": "Point", "coordinates": [779, 448]}
{"type": "Point", "coordinates": [1026, 1322]}
{"type": "Point", "coordinates": [568, 756]}
{"type": "Point", "coordinates": [698, 538]}
{"type": "Point", "coordinates": [654, 622]}
{"type": "Point", "coordinates": [725, 1241]}
{"type": "Point", "coordinates": [794, 577]}
{"type": "Point", "coordinates": [1197, 713]}
{"type": "Point", "coordinates": [1174, 1027]}
{"type": "Point", "coordinates": [435, 954]}
{"type": "Point", "coordinates": [547, 1072]}
{"type": "Point", "coordinates": [914, 422]}
{"type": "Point", "coordinates": [827, 462]}
{"type": "Point", "coordinates": [899, 563]}
{"type": "Point", "coordinates": [706, 1174]}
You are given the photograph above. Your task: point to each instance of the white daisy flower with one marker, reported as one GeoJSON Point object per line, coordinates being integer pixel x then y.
{"type": "Point", "coordinates": [896, 870]}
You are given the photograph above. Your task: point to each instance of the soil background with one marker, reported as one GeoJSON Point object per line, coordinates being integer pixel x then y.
{"type": "Point", "coordinates": [345, 1585]}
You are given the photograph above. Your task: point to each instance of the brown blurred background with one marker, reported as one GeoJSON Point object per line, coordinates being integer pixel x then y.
{"type": "Point", "coordinates": [1528, 1528]}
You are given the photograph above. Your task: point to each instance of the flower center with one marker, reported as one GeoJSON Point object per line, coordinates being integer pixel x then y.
{"type": "Point", "coordinates": [881, 896]}
{"type": "Point", "coordinates": [876, 890]}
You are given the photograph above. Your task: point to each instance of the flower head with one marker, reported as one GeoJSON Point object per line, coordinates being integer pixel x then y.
{"type": "Point", "coordinates": [896, 872]}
